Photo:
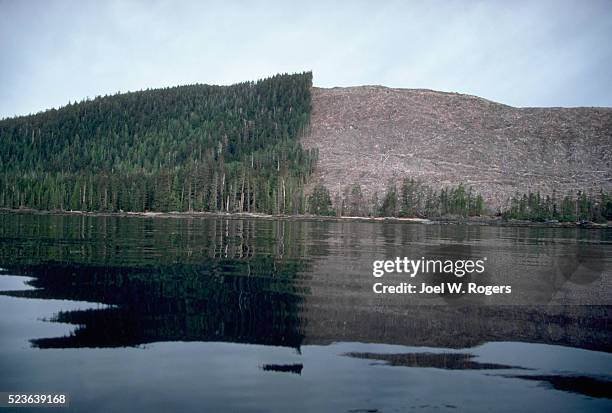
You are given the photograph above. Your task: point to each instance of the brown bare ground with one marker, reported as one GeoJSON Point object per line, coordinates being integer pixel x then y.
{"type": "Point", "coordinates": [372, 134]}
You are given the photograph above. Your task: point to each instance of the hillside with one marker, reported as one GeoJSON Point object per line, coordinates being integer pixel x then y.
{"type": "Point", "coordinates": [371, 134]}
{"type": "Point", "coordinates": [188, 148]}
{"type": "Point", "coordinates": [280, 146]}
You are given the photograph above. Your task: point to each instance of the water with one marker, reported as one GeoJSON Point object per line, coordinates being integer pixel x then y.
{"type": "Point", "coordinates": [215, 314]}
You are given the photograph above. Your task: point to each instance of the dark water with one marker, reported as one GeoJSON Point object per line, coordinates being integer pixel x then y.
{"type": "Point", "coordinates": [140, 314]}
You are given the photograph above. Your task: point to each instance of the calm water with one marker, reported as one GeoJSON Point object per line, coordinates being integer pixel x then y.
{"type": "Point", "coordinates": [214, 314]}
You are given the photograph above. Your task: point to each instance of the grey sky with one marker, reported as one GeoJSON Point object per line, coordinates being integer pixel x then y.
{"type": "Point", "coordinates": [532, 53]}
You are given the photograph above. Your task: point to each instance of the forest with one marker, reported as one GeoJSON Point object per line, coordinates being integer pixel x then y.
{"type": "Point", "coordinates": [188, 148]}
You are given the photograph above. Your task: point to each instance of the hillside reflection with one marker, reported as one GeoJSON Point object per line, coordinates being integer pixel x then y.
{"type": "Point", "coordinates": [166, 280]}
{"type": "Point", "coordinates": [215, 301]}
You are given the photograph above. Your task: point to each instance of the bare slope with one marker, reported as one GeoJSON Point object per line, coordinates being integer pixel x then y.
{"type": "Point", "coordinates": [371, 134]}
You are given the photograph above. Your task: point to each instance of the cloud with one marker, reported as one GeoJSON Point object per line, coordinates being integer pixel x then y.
{"type": "Point", "coordinates": [519, 53]}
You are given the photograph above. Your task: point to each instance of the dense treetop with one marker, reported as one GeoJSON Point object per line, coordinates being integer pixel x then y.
{"type": "Point", "coordinates": [161, 128]}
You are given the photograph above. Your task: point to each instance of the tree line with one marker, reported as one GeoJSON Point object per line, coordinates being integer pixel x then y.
{"type": "Point", "coordinates": [581, 207]}
{"type": "Point", "coordinates": [412, 199]}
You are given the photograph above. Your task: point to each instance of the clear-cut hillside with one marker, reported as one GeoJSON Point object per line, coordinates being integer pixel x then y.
{"type": "Point", "coordinates": [371, 134]}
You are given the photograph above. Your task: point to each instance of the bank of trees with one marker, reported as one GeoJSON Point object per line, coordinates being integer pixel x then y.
{"type": "Point", "coordinates": [581, 207]}
{"type": "Point", "coordinates": [411, 199]}
{"type": "Point", "coordinates": [209, 148]}
{"type": "Point", "coordinates": [414, 199]}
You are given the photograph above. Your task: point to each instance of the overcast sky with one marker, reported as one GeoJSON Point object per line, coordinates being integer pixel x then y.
{"type": "Point", "coordinates": [533, 53]}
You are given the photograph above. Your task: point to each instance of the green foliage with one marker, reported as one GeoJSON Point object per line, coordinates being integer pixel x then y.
{"type": "Point", "coordinates": [418, 200]}
{"type": "Point", "coordinates": [414, 200]}
{"type": "Point", "coordinates": [606, 206]}
{"type": "Point", "coordinates": [355, 206]}
{"type": "Point", "coordinates": [320, 201]}
{"type": "Point", "coordinates": [458, 201]}
{"type": "Point", "coordinates": [409, 198]}
{"type": "Point", "coordinates": [198, 147]}
{"type": "Point", "coordinates": [582, 207]}
{"type": "Point", "coordinates": [389, 206]}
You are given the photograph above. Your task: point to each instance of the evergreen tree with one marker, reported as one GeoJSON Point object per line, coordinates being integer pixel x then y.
{"type": "Point", "coordinates": [320, 201]}
{"type": "Point", "coordinates": [356, 207]}
{"type": "Point", "coordinates": [389, 206]}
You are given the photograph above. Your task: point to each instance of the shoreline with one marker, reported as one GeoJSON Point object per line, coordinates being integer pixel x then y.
{"type": "Point", "coordinates": [481, 220]}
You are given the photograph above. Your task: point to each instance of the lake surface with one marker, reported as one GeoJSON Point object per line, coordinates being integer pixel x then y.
{"type": "Point", "coordinates": [214, 314]}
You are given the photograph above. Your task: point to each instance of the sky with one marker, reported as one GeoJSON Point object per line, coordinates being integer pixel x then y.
{"type": "Point", "coordinates": [521, 53]}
